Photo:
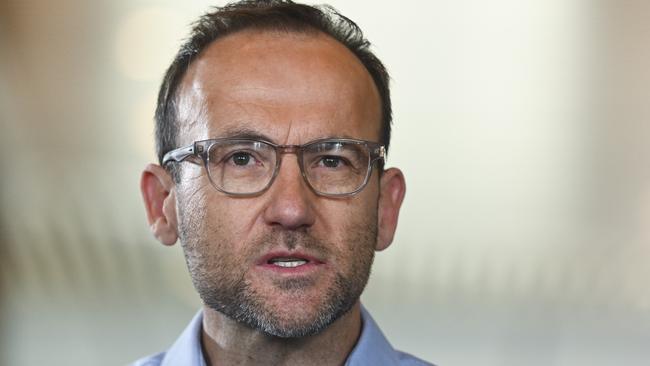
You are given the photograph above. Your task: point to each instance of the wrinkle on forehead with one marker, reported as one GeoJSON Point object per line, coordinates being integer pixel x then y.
{"type": "Point", "coordinates": [254, 76]}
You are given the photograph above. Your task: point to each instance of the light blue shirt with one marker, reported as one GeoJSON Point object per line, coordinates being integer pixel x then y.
{"type": "Point", "coordinates": [371, 349]}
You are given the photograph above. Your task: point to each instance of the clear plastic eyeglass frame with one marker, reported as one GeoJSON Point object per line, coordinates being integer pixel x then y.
{"type": "Point", "coordinates": [199, 152]}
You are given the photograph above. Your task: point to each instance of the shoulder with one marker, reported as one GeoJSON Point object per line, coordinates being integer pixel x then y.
{"type": "Point", "coordinates": [186, 350]}
{"type": "Point", "coordinates": [153, 360]}
{"type": "Point", "coordinates": [373, 348]}
{"type": "Point", "coordinates": [405, 359]}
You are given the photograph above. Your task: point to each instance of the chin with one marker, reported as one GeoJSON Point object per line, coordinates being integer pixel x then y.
{"type": "Point", "coordinates": [301, 316]}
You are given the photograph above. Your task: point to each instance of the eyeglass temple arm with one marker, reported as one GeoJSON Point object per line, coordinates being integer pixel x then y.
{"type": "Point", "coordinates": [380, 153]}
{"type": "Point", "coordinates": [179, 154]}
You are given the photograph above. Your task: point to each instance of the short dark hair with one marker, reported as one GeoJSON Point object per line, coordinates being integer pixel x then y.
{"type": "Point", "coordinates": [278, 15]}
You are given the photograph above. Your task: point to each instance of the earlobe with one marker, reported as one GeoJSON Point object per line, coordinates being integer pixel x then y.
{"type": "Point", "coordinates": [391, 196]}
{"type": "Point", "coordinates": [158, 193]}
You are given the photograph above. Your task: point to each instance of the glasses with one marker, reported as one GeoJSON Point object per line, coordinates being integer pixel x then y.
{"type": "Point", "coordinates": [246, 167]}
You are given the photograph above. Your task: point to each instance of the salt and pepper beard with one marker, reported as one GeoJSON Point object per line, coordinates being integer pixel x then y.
{"type": "Point", "coordinates": [234, 296]}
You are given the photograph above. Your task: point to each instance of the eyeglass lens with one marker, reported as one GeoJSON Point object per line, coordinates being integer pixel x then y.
{"type": "Point", "coordinates": [247, 167]}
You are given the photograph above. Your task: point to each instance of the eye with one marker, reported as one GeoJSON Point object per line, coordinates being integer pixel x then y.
{"type": "Point", "coordinates": [241, 158]}
{"type": "Point", "coordinates": [331, 161]}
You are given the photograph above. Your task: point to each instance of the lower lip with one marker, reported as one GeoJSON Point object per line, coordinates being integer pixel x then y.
{"type": "Point", "coordinates": [303, 269]}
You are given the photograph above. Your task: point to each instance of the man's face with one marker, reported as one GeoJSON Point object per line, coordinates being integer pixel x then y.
{"type": "Point", "coordinates": [290, 89]}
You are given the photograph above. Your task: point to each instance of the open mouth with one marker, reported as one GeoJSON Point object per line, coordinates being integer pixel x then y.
{"type": "Point", "coordinates": [290, 261]}
{"type": "Point", "coordinates": [286, 262]}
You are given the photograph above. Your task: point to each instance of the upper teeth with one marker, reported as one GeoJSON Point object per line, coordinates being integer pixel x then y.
{"type": "Point", "coordinates": [288, 263]}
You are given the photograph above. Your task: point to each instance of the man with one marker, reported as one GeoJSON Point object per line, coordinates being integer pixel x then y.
{"type": "Point", "coordinates": [272, 127]}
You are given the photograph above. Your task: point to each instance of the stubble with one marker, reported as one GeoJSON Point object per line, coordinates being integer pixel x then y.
{"type": "Point", "coordinates": [219, 274]}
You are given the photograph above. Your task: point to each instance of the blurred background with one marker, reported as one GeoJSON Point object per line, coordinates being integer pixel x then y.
{"type": "Point", "coordinates": [523, 128]}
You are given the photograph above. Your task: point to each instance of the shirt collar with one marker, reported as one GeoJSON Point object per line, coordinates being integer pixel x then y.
{"type": "Point", "coordinates": [372, 348]}
{"type": "Point", "coordinates": [187, 348]}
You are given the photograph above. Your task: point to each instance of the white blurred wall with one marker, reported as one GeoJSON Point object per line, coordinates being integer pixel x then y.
{"type": "Point", "coordinates": [522, 128]}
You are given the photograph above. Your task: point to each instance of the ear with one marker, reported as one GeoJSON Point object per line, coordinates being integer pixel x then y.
{"type": "Point", "coordinates": [158, 193]}
{"type": "Point", "coordinates": [391, 194]}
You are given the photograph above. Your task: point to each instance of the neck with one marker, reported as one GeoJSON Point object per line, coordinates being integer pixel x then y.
{"type": "Point", "coordinates": [227, 342]}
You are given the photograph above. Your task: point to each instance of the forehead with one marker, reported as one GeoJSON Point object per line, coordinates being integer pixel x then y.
{"type": "Point", "coordinates": [291, 87]}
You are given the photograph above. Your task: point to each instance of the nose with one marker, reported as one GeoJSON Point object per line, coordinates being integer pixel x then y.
{"type": "Point", "coordinates": [290, 200]}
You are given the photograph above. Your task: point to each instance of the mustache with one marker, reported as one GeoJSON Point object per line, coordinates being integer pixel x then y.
{"type": "Point", "coordinates": [291, 240]}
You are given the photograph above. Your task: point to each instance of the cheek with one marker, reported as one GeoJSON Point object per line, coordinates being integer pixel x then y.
{"type": "Point", "coordinates": [235, 218]}
{"type": "Point", "coordinates": [359, 208]}
{"type": "Point", "coordinates": [208, 241]}
{"type": "Point", "coordinates": [201, 227]}
{"type": "Point", "coordinates": [351, 223]}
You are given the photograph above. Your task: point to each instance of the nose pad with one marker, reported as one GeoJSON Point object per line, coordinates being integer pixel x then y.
{"type": "Point", "coordinates": [290, 204]}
